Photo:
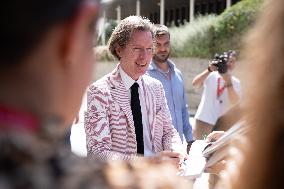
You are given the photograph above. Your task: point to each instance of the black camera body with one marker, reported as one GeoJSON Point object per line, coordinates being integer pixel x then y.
{"type": "Point", "coordinates": [220, 61]}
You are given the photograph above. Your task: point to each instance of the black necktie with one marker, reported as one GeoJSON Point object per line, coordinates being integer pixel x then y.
{"type": "Point", "coordinates": [137, 117]}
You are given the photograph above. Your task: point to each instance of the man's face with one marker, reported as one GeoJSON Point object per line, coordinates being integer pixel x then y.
{"type": "Point", "coordinates": [136, 55]}
{"type": "Point", "coordinates": [81, 72]}
{"type": "Point", "coordinates": [162, 48]}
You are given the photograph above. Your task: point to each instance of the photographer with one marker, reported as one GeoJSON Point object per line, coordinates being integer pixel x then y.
{"type": "Point", "coordinates": [221, 91]}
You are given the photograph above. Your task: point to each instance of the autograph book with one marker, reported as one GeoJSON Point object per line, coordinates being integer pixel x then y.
{"type": "Point", "coordinates": [204, 154]}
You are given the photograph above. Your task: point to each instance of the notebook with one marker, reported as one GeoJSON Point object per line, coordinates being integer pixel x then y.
{"type": "Point", "coordinates": [203, 154]}
{"type": "Point", "coordinates": [237, 129]}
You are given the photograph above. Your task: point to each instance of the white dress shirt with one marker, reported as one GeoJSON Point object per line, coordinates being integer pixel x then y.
{"type": "Point", "coordinates": [128, 82]}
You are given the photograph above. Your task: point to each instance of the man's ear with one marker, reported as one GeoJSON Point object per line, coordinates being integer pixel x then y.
{"type": "Point", "coordinates": [78, 31]}
{"type": "Point", "coordinates": [118, 50]}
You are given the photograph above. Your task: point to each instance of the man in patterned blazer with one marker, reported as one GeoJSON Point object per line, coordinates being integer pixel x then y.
{"type": "Point", "coordinates": [113, 126]}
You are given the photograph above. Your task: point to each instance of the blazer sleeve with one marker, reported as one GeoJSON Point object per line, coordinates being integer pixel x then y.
{"type": "Point", "coordinates": [170, 138]}
{"type": "Point", "coordinates": [97, 128]}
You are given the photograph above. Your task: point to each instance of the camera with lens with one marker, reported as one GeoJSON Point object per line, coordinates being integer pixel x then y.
{"type": "Point", "coordinates": [220, 61]}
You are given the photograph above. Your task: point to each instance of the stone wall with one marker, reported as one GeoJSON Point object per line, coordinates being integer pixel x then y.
{"type": "Point", "coordinates": [190, 67]}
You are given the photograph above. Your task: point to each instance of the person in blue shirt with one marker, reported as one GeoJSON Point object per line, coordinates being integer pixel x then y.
{"type": "Point", "coordinates": [165, 71]}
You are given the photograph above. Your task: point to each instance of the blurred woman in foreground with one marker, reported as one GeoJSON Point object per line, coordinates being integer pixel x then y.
{"type": "Point", "coordinates": [260, 164]}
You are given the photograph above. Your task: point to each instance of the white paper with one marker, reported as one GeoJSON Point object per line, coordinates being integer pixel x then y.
{"type": "Point", "coordinates": [194, 166]}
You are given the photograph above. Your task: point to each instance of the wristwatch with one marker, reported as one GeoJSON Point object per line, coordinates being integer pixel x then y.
{"type": "Point", "coordinates": [189, 143]}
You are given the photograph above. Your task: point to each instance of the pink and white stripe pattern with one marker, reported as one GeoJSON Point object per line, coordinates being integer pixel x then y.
{"type": "Point", "coordinates": [109, 123]}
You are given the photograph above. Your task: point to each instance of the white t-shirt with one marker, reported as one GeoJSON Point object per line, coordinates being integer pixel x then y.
{"type": "Point", "coordinates": [212, 105]}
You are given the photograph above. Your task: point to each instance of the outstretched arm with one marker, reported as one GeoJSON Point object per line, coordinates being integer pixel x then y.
{"type": "Point", "coordinates": [198, 81]}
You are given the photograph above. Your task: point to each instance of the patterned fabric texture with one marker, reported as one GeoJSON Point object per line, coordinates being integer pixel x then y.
{"type": "Point", "coordinates": [109, 124]}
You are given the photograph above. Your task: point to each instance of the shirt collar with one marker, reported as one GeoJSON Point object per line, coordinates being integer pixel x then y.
{"type": "Point", "coordinates": [127, 80]}
{"type": "Point", "coordinates": [153, 66]}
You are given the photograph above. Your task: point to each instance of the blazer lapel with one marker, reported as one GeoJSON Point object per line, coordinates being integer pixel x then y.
{"type": "Point", "coordinates": [150, 102]}
{"type": "Point", "coordinates": [119, 93]}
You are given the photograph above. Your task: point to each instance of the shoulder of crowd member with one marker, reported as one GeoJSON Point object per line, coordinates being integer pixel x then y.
{"type": "Point", "coordinates": [207, 79]}
{"type": "Point", "coordinates": [101, 81]}
{"type": "Point", "coordinates": [213, 74]}
{"type": "Point", "coordinates": [179, 73]}
{"type": "Point", "coordinates": [151, 67]}
{"type": "Point", "coordinates": [174, 67]}
{"type": "Point", "coordinates": [30, 161]}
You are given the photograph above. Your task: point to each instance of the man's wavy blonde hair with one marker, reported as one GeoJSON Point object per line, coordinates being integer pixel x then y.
{"type": "Point", "coordinates": [123, 31]}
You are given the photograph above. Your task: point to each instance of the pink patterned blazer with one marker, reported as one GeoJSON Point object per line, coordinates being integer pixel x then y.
{"type": "Point", "coordinates": [109, 125]}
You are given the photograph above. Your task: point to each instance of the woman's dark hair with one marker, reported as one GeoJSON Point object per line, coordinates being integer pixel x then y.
{"type": "Point", "coordinates": [25, 22]}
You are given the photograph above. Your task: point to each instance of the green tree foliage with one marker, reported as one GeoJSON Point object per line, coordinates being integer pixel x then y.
{"type": "Point", "coordinates": [191, 40]}
{"type": "Point", "coordinates": [233, 24]}
{"type": "Point", "coordinates": [212, 34]}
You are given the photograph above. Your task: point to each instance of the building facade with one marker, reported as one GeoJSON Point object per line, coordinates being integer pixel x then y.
{"type": "Point", "coordinates": [168, 12]}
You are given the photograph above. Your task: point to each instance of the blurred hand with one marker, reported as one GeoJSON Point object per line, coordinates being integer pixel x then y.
{"type": "Point", "coordinates": [215, 135]}
{"type": "Point", "coordinates": [220, 165]}
{"type": "Point", "coordinates": [216, 168]}
{"type": "Point", "coordinates": [173, 157]}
